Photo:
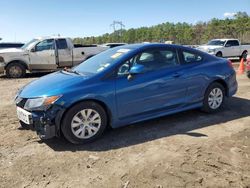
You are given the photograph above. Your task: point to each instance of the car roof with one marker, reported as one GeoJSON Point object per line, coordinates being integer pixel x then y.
{"type": "Point", "coordinates": [143, 46]}
{"type": "Point", "coordinates": [114, 43]}
{"type": "Point", "coordinates": [151, 45]}
{"type": "Point", "coordinates": [50, 37]}
{"type": "Point", "coordinates": [225, 39]}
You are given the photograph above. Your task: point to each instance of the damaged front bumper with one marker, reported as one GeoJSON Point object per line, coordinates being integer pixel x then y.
{"type": "Point", "coordinates": [47, 123]}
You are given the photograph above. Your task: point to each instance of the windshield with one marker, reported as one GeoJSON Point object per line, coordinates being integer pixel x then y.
{"type": "Point", "coordinates": [29, 43]}
{"type": "Point", "coordinates": [101, 61]}
{"type": "Point", "coordinates": [216, 42]}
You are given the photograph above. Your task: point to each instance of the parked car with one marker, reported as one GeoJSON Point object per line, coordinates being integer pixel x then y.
{"type": "Point", "coordinates": [112, 45]}
{"type": "Point", "coordinates": [10, 45]}
{"type": "Point", "coordinates": [43, 55]}
{"type": "Point", "coordinates": [225, 48]}
{"type": "Point", "coordinates": [124, 85]}
{"type": "Point", "coordinates": [248, 66]}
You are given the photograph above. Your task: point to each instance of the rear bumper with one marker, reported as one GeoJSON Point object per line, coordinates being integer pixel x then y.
{"type": "Point", "coordinates": [232, 84]}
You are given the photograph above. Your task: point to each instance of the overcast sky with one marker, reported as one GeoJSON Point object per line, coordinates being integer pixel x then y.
{"type": "Point", "coordinates": [20, 20]}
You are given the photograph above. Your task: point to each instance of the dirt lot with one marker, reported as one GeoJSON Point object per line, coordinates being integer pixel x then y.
{"type": "Point", "coordinates": [189, 149]}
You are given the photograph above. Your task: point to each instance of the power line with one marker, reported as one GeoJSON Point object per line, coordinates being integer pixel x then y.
{"type": "Point", "coordinates": [118, 28]}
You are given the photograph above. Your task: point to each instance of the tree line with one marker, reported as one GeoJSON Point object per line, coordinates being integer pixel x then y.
{"type": "Point", "coordinates": [180, 33]}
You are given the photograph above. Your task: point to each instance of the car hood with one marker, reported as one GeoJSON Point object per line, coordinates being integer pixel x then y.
{"type": "Point", "coordinates": [207, 47]}
{"type": "Point", "coordinates": [53, 84]}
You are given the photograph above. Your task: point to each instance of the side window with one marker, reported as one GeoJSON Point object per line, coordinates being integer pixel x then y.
{"type": "Point", "coordinates": [61, 44]}
{"type": "Point", "coordinates": [152, 60]}
{"type": "Point", "coordinates": [157, 59]}
{"type": "Point", "coordinates": [190, 57]}
{"type": "Point", "coordinates": [232, 43]}
{"type": "Point", "coordinates": [45, 45]}
{"type": "Point", "coordinates": [235, 43]}
{"type": "Point", "coordinates": [125, 67]}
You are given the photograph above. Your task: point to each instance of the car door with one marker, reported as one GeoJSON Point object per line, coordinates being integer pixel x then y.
{"type": "Point", "coordinates": [193, 67]}
{"type": "Point", "coordinates": [159, 88]}
{"type": "Point", "coordinates": [64, 53]}
{"type": "Point", "coordinates": [231, 48]}
{"type": "Point", "coordinates": [236, 48]}
{"type": "Point", "coordinates": [42, 56]}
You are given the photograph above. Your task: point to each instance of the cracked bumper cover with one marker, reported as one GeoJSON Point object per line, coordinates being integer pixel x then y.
{"type": "Point", "coordinates": [47, 123]}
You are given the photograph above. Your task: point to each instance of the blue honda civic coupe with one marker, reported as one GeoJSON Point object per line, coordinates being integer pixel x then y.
{"type": "Point", "coordinates": [121, 86]}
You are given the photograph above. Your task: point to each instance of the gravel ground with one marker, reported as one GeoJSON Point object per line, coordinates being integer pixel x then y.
{"type": "Point", "coordinates": [189, 149]}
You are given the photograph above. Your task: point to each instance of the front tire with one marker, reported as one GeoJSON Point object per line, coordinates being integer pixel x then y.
{"type": "Point", "coordinates": [214, 98]}
{"type": "Point", "coordinates": [219, 54]}
{"type": "Point", "coordinates": [84, 122]}
{"type": "Point", "coordinates": [15, 70]}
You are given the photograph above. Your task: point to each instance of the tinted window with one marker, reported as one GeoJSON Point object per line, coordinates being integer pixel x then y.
{"type": "Point", "coordinates": [233, 43]}
{"type": "Point", "coordinates": [61, 44]}
{"type": "Point", "coordinates": [151, 60]}
{"type": "Point", "coordinates": [190, 57]}
{"type": "Point", "coordinates": [216, 42]}
{"type": "Point", "coordinates": [45, 45]}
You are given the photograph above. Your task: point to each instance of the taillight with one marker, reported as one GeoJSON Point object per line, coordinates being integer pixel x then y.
{"type": "Point", "coordinates": [229, 62]}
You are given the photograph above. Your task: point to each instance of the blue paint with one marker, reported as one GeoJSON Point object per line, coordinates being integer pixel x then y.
{"type": "Point", "coordinates": [147, 95]}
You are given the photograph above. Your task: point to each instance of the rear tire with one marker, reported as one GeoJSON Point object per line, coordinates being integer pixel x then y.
{"type": "Point", "coordinates": [84, 122]}
{"type": "Point", "coordinates": [248, 74]}
{"type": "Point", "coordinates": [214, 98]}
{"type": "Point", "coordinates": [15, 70]}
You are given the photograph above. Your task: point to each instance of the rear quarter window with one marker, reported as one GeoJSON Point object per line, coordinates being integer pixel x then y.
{"type": "Point", "coordinates": [61, 44]}
{"type": "Point", "coordinates": [191, 57]}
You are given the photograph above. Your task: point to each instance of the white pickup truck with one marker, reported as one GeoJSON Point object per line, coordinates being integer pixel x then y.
{"type": "Point", "coordinates": [225, 48]}
{"type": "Point", "coordinates": [45, 54]}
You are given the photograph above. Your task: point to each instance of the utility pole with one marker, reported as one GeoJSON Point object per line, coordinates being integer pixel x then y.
{"type": "Point", "coordinates": [118, 27]}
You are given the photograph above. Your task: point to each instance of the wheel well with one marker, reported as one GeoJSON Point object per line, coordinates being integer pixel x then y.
{"type": "Point", "coordinates": [244, 56]}
{"type": "Point", "coordinates": [102, 104]}
{"type": "Point", "coordinates": [17, 61]}
{"type": "Point", "coordinates": [224, 84]}
{"type": "Point", "coordinates": [244, 51]}
{"type": "Point", "coordinates": [219, 52]}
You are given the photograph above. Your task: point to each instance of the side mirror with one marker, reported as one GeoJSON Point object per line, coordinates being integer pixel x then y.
{"type": "Point", "coordinates": [228, 45]}
{"type": "Point", "coordinates": [32, 49]}
{"type": "Point", "coordinates": [137, 69]}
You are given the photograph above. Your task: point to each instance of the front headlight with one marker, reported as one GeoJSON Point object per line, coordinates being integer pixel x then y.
{"type": "Point", "coordinates": [211, 51]}
{"type": "Point", "coordinates": [40, 104]}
